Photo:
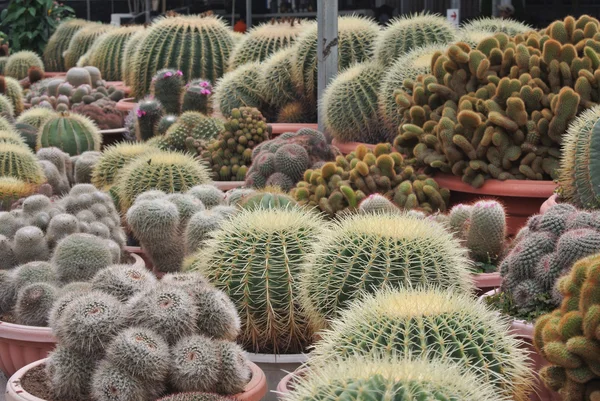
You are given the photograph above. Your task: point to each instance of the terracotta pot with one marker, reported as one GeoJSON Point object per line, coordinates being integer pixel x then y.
{"type": "Point", "coordinates": [348, 147]}
{"type": "Point", "coordinates": [54, 74]}
{"type": "Point", "coordinates": [521, 198]}
{"type": "Point", "coordinates": [278, 129]}
{"type": "Point", "coordinates": [140, 253]}
{"type": "Point", "coordinates": [551, 201]}
{"type": "Point", "coordinates": [287, 383]}
{"type": "Point", "coordinates": [126, 105]}
{"type": "Point", "coordinates": [275, 368]}
{"type": "Point", "coordinates": [227, 185]}
{"type": "Point", "coordinates": [254, 390]}
{"type": "Point", "coordinates": [485, 282]}
{"type": "Point", "coordinates": [112, 136]}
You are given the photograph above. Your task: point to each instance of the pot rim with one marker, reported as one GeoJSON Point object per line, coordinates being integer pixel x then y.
{"type": "Point", "coordinates": [507, 188]}
{"type": "Point", "coordinates": [521, 328]}
{"type": "Point", "coordinates": [276, 358]}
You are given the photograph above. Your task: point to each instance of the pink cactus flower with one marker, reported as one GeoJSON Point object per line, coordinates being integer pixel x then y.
{"type": "Point", "coordinates": [205, 92]}
{"type": "Point", "coordinates": [140, 113]}
{"type": "Point", "coordinates": [179, 73]}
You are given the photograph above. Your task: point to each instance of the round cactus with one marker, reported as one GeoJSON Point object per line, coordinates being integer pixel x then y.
{"type": "Point", "coordinates": [82, 41]}
{"type": "Point", "coordinates": [197, 97]}
{"type": "Point", "coordinates": [79, 257]}
{"type": "Point", "coordinates": [30, 245]}
{"type": "Point", "coordinates": [149, 112]}
{"type": "Point", "coordinates": [206, 35]}
{"type": "Point", "coordinates": [7, 110]}
{"type": "Point", "coordinates": [36, 116]}
{"type": "Point", "coordinates": [191, 124]}
{"type": "Point", "coordinates": [363, 253]}
{"type": "Point", "coordinates": [131, 47]}
{"type": "Point", "coordinates": [239, 88]}
{"type": "Point", "coordinates": [77, 76]}
{"type": "Point", "coordinates": [11, 88]}
{"type": "Point", "coordinates": [84, 166]}
{"type": "Point", "coordinates": [276, 86]}
{"type": "Point", "coordinates": [32, 273]}
{"type": "Point", "coordinates": [109, 383]}
{"type": "Point", "coordinates": [167, 171]}
{"type": "Point", "coordinates": [70, 373]}
{"type": "Point", "coordinates": [59, 42]}
{"type": "Point", "coordinates": [507, 26]}
{"type": "Point", "coordinates": [200, 227]}
{"type": "Point", "coordinates": [108, 51]}
{"type": "Point", "coordinates": [34, 303]}
{"type": "Point", "coordinates": [164, 124]}
{"type": "Point", "coordinates": [122, 281]}
{"type": "Point", "coordinates": [377, 203]}
{"type": "Point", "coordinates": [72, 133]}
{"type": "Point", "coordinates": [13, 189]}
{"type": "Point", "coordinates": [277, 240]}
{"type": "Point", "coordinates": [167, 88]}
{"type": "Point", "coordinates": [11, 137]}
{"type": "Point", "coordinates": [425, 323]}
{"type": "Point", "coordinates": [209, 195]}
{"type": "Point", "coordinates": [19, 63]}
{"type": "Point", "coordinates": [404, 34]}
{"type": "Point", "coordinates": [193, 357]}
{"type": "Point", "coordinates": [267, 198]}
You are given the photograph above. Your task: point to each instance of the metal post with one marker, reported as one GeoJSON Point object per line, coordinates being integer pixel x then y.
{"type": "Point", "coordinates": [248, 14]}
{"type": "Point", "coordinates": [148, 8]}
{"type": "Point", "coordinates": [428, 5]}
{"type": "Point", "coordinates": [454, 3]}
{"type": "Point", "coordinates": [89, 10]}
{"type": "Point", "coordinates": [327, 47]}
{"type": "Point", "coordinates": [403, 9]}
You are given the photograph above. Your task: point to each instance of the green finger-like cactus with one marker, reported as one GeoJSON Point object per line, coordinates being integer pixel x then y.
{"type": "Point", "coordinates": [427, 323]}
{"type": "Point", "coordinates": [356, 37]}
{"type": "Point", "coordinates": [82, 41]}
{"type": "Point", "coordinates": [70, 373]}
{"type": "Point", "coordinates": [19, 63]}
{"type": "Point", "coordinates": [131, 47]}
{"type": "Point", "coordinates": [350, 104]}
{"type": "Point", "coordinates": [34, 303]}
{"type": "Point", "coordinates": [239, 88]}
{"type": "Point", "coordinates": [363, 253]}
{"type": "Point", "coordinates": [276, 85]}
{"type": "Point", "coordinates": [167, 88]}
{"type": "Point", "coordinates": [79, 257]}
{"type": "Point", "coordinates": [13, 91]}
{"type": "Point", "coordinates": [72, 133]}
{"type": "Point", "coordinates": [404, 34]}
{"type": "Point", "coordinates": [19, 162]}
{"type": "Point", "coordinates": [205, 34]}
{"type": "Point", "coordinates": [59, 42]}
{"type": "Point", "coordinates": [7, 110]}
{"type": "Point", "coordinates": [507, 26]}
{"type": "Point", "coordinates": [107, 53]}
{"type": "Point", "coordinates": [122, 281]}
{"type": "Point", "coordinates": [277, 241]}
{"type": "Point", "coordinates": [113, 159]}
{"type": "Point", "coordinates": [166, 171]}
{"type": "Point", "coordinates": [263, 40]}
{"type": "Point", "coordinates": [36, 116]}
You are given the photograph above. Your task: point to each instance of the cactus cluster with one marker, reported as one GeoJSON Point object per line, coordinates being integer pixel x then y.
{"type": "Point", "coordinates": [82, 41]}
{"type": "Point", "coordinates": [282, 161]}
{"type": "Point", "coordinates": [190, 128]}
{"type": "Point", "coordinates": [262, 281]}
{"type": "Point", "coordinates": [18, 64]}
{"type": "Point", "coordinates": [230, 153]}
{"type": "Point", "coordinates": [568, 337]}
{"type": "Point", "coordinates": [59, 42]}
{"type": "Point", "coordinates": [131, 337]}
{"type": "Point", "coordinates": [107, 52]}
{"type": "Point", "coordinates": [343, 184]}
{"type": "Point", "coordinates": [545, 250]}
{"type": "Point", "coordinates": [500, 110]}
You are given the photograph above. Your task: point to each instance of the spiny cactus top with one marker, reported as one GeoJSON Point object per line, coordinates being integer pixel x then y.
{"type": "Point", "coordinates": [434, 324]}
{"type": "Point", "coordinates": [59, 42]}
{"type": "Point", "coordinates": [19, 162]}
{"type": "Point", "coordinates": [82, 41]}
{"type": "Point", "coordinates": [108, 51]}
{"type": "Point", "coordinates": [507, 26]}
{"type": "Point", "coordinates": [19, 63]}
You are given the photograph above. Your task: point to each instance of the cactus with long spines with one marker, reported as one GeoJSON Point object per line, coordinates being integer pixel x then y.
{"type": "Point", "coordinates": [59, 42]}
{"type": "Point", "coordinates": [131, 47]}
{"type": "Point", "coordinates": [20, 163]}
{"type": "Point", "coordinates": [13, 91]}
{"type": "Point", "coordinates": [19, 63]}
{"type": "Point", "coordinates": [34, 303]}
{"type": "Point", "coordinates": [70, 373]}
{"type": "Point", "coordinates": [122, 281]}
{"type": "Point", "coordinates": [35, 116]}
{"type": "Point", "coordinates": [107, 53]}
{"type": "Point", "coordinates": [366, 252]}
{"type": "Point", "coordinates": [113, 159]}
{"type": "Point", "coordinates": [276, 85]}
{"type": "Point", "coordinates": [193, 125]}
{"type": "Point", "coordinates": [11, 137]}
{"type": "Point", "coordinates": [82, 41]}
{"type": "Point", "coordinates": [278, 240]}
{"type": "Point", "coordinates": [206, 35]}
{"type": "Point", "coordinates": [72, 133]}
{"type": "Point", "coordinates": [239, 88]}
{"type": "Point", "coordinates": [13, 189]}
{"type": "Point", "coordinates": [7, 111]}
{"type": "Point", "coordinates": [110, 383]}
{"type": "Point", "coordinates": [508, 26]}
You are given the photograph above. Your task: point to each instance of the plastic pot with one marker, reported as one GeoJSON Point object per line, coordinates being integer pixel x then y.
{"type": "Point", "coordinates": [485, 282]}
{"type": "Point", "coordinates": [276, 367]}
{"type": "Point", "coordinates": [287, 383]}
{"type": "Point", "coordinates": [126, 105]}
{"type": "Point", "coordinates": [278, 129]}
{"type": "Point", "coordinates": [349, 147]}
{"type": "Point", "coordinates": [227, 185]}
{"type": "Point", "coordinates": [254, 390]}
{"type": "Point", "coordinates": [521, 198]}
{"type": "Point", "coordinates": [21, 345]}
{"type": "Point", "coordinates": [551, 201]}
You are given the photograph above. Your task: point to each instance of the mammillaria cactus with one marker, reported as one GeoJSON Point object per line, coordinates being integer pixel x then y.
{"type": "Point", "coordinates": [79, 257]}
{"type": "Point", "coordinates": [11, 88]}
{"type": "Point", "coordinates": [82, 41]}
{"type": "Point", "coordinates": [149, 112]}
{"type": "Point", "coordinates": [206, 34]}
{"type": "Point", "coordinates": [72, 133]}
{"type": "Point", "coordinates": [19, 162]}
{"type": "Point", "coordinates": [278, 241]}
{"type": "Point", "coordinates": [19, 63]}
{"type": "Point", "coordinates": [363, 253]}
{"type": "Point", "coordinates": [404, 34]}
{"type": "Point", "coordinates": [197, 97]}
{"type": "Point", "coordinates": [239, 88]}
{"type": "Point", "coordinates": [108, 51]}
{"type": "Point", "coordinates": [112, 160]}
{"type": "Point", "coordinates": [167, 88]}
{"type": "Point", "coordinates": [59, 42]}
{"type": "Point", "coordinates": [407, 379]}
{"type": "Point", "coordinates": [350, 104]}
{"type": "Point", "coordinates": [84, 166]}
{"type": "Point", "coordinates": [34, 303]}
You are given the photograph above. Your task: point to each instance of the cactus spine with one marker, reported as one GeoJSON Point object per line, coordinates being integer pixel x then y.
{"type": "Point", "coordinates": [19, 162]}
{"type": "Point", "coordinates": [19, 63]}
{"type": "Point", "coordinates": [82, 41]}
{"type": "Point", "coordinates": [59, 42]}
{"type": "Point", "coordinates": [108, 51]}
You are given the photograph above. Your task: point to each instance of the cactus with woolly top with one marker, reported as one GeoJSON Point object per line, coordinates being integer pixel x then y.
{"type": "Point", "coordinates": [19, 63]}
{"type": "Point", "coordinates": [197, 96]}
{"type": "Point", "coordinates": [279, 240]}
{"type": "Point", "coordinates": [34, 303]}
{"type": "Point", "coordinates": [107, 53]}
{"type": "Point", "coordinates": [71, 133]}
{"type": "Point", "coordinates": [131, 47]}
{"type": "Point", "coordinates": [59, 42]}
{"type": "Point", "coordinates": [19, 162]}
{"type": "Point", "coordinates": [82, 41]}
{"type": "Point", "coordinates": [167, 171]}
{"type": "Point", "coordinates": [200, 228]}
{"type": "Point", "coordinates": [84, 166]}
{"type": "Point", "coordinates": [206, 34]}
{"type": "Point", "coordinates": [350, 104]}
{"type": "Point", "coordinates": [13, 189]}
{"type": "Point", "coordinates": [404, 34]}
{"type": "Point", "coordinates": [240, 88]}
{"type": "Point", "coordinates": [167, 87]}
{"type": "Point", "coordinates": [69, 372]}
{"type": "Point", "coordinates": [7, 111]}
{"type": "Point", "coordinates": [113, 159]}
{"type": "Point", "coordinates": [149, 112]}
{"type": "Point", "coordinates": [11, 88]}
{"type": "Point", "coordinates": [78, 257]}
{"type": "Point", "coordinates": [366, 252]}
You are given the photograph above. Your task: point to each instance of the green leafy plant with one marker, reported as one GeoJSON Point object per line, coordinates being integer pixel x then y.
{"type": "Point", "coordinates": [29, 23]}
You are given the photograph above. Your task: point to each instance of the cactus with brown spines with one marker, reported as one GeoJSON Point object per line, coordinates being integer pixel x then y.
{"type": "Point", "coordinates": [343, 184]}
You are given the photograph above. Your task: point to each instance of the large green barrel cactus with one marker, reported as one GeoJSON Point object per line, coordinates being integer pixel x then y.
{"type": "Point", "coordinates": [59, 42]}
{"type": "Point", "coordinates": [356, 38]}
{"type": "Point", "coordinates": [169, 172]}
{"type": "Point", "coordinates": [70, 132]}
{"type": "Point", "coordinates": [256, 258]}
{"type": "Point", "coordinates": [208, 45]}
{"type": "Point", "coordinates": [276, 86]}
{"type": "Point", "coordinates": [264, 40]}
{"type": "Point", "coordinates": [432, 324]}
{"type": "Point", "coordinates": [350, 104]}
{"type": "Point", "coordinates": [239, 88]}
{"type": "Point", "coordinates": [113, 159]}
{"type": "Point", "coordinates": [579, 178]}
{"type": "Point", "coordinates": [7, 111]}
{"type": "Point", "coordinates": [19, 162]}
{"type": "Point", "coordinates": [82, 41]}
{"type": "Point", "coordinates": [12, 89]}
{"type": "Point", "coordinates": [363, 253]}
{"type": "Point", "coordinates": [407, 33]}
{"type": "Point", "coordinates": [127, 70]}
{"type": "Point", "coordinates": [19, 63]}
{"type": "Point", "coordinates": [391, 379]}
{"type": "Point", "coordinates": [108, 51]}
{"type": "Point", "coordinates": [507, 26]}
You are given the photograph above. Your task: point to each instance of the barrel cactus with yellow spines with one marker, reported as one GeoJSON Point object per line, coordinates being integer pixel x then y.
{"type": "Point", "coordinates": [206, 35]}
{"type": "Point", "coordinates": [276, 85]}
{"type": "Point", "coordinates": [11, 88]}
{"type": "Point", "coordinates": [7, 111]}
{"type": "Point", "coordinates": [19, 63]}
{"type": "Point", "coordinates": [366, 252]}
{"type": "Point", "coordinates": [59, 42]}
{"type": "Point", "coordinates": [239, 88]}
{"type": "Point", "coordinates": [167, 171]}
{"type": "Point", "coordinates": [261, 281]}
{"type": "Point", "coordinates": [82, 41]}
{"type": "Point", "coordinates": [36, 116]}
{"type": "Point", "coordinates": [264, 40]}
{"type": "Point", "coordinates": [407, 33]}
{"type": "Point", "coordinates": [108, 51]}
{"type": "Point", "coordinates": [127, 72]}
{"type": "Point", "coordinates": [19, 162]}
{"type": "Point", "coordinates": [508, 26]}
{"type": "Point", "coordinates": [432, 324]}
{"type": "Point", "coordinates": [13, 189]}
{"type": "Point", "coordinates": [11, 136]}
{"type": "Point", "coordinates": [113, 159]}
{"type": "Point", "coordinates": [70, 132]}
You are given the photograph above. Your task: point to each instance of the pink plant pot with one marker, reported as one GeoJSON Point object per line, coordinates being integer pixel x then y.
{"type": "Point", "coordinates": [255, 390]}
{"type": "Point", "coordinates": [349, 147]}
{"type": "Point", "coordinates": [278, 129]}
{"type": "Point", "coordinates": [54, 74]}
{"type": "Point", "coordinates": [227, 185]}
{"type": "Point", "coordinates": [126, 105]}
{"type": "Point", "coordinates": [485, 282]}
{"type": "Point", "coordinates": [551, 201]}
{"type": "Point", "coordinates": [21, 345]}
